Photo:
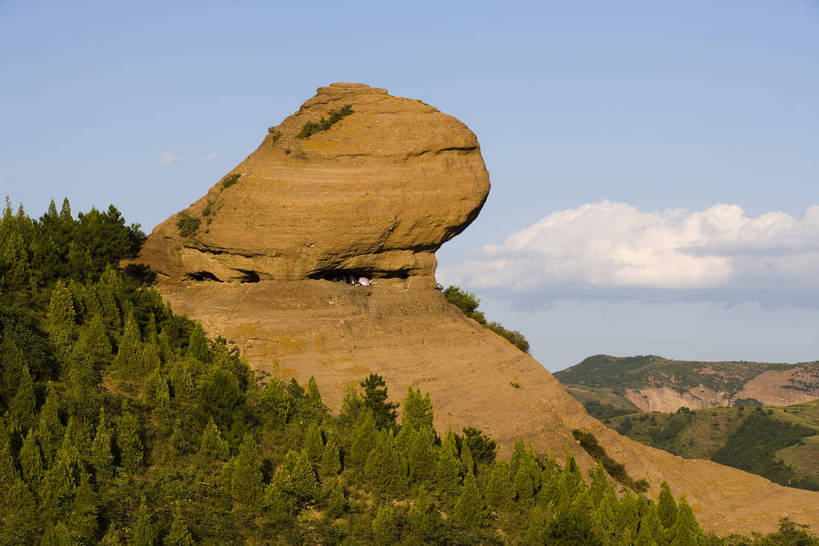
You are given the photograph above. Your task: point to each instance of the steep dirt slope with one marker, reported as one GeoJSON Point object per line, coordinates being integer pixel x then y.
{"type": "Point", "coordinates": [374, 195]}
{"type": "Point", "coordinates": [339, 333]}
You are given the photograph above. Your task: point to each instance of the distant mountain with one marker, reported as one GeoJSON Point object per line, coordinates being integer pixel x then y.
{"type": "Point", "coordinates": [778, 443]}
{"type": "Point", "coordinates": [609, 385]}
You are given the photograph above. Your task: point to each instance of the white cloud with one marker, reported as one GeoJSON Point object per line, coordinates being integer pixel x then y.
{"type": "Point", "coordinates": [603, 248]}
{"type": "Point", "coordinates": [167, 158]}
{"type": "Point", "coordinates": [210, 156]}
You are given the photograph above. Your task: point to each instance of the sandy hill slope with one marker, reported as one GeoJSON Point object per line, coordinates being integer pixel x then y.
{"type": "Point", "coordinates": [653, 383]}
{"type": "Point", "coordinates": [373, 195]}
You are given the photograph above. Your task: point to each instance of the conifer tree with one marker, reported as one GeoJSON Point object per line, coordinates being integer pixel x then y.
{"type": "Point", "coordinates": [23, 404]}
{"type": "Point", "coordinates": [466, 459]}
{"type": "Point", "coordinates": [128, 361]}
{"type": "Point", "coordinates": [143, 532]}
{"type": "Point", "coordinates": [157, 393]}
{"type": "Point", "coordinates": [60, 321]}
{"type": "Point", "coordinates": [82, 521]}
{"type": "Point", "coordinates": [331, 459]}
{"type": "Point", "coordinates": [179, 535]}
{"type": "Point", "coordinates": [13, 361]}
{"type": "Point", "coordinates": [375, 398]}
{"type": "Point", "coordinates": [666, 507]}
{"type": "Point", "coordinates": [417, 411]}
{"type": "Point", "coordinates": [313, 442]}
{"type": "Point", "coordinates": [652, 532]}
{"type": "Point", "coordinates": [498, 487]}
{"type": "Point", "coordinates": [314, 408]}
{"type": "Point", "coordinates": [49, 428]}
{"type": "Point", "coordinates": [336, 503]}
{"type": "Point", "coordinates": [447, 466]}
{"type": "Point", "coordinates": [385, 525]}
{"type": "Point", "coordinates": [93, 342]}
{"type": "Point", "coordinates": [536, 527]}
{"type": "Point", "coordinates": [418, 445]}
{"type": "Point", "coordinates": [685, 531]}
{"type": "Point", "coordinates": [101, 457]}
{"type": "Point", "coordinates": [112, 537]}
{"type": "Point", "coordinates": [57, 535]}
{"type": "Point", "coordinates": [386, 468]}
{"type": "Point", "coordinates": [599, 483]}
{"type": "Point", "coordinates": [31, 462]}
{"type": "Point", "coordinates": [246, 478]}
{"type": "Point", "coordinates": [469, 508]}
{"type": "Point", "coordinates": [364, 438]}
{"type": "Point", "coordinates": [212, 447]}
{"type": "Point", "coordinates": [523, 484]}
{"type": "Point", "coordinates": [131, 451]}
{"type": "Point", "coordinates": [198, 345]}
{"type": "Point", "coordinates": [82, 386]}
{"type": "Point", "coordinates": [56, 488]}
{"type": "Point", "coordinates": [424, 519]}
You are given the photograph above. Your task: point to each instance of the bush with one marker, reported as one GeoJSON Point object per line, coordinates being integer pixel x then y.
{"type": "Point", "coordinates": [312, 127]}
{"type": "Point", "coordinates": [468, 303]}
{"type": "Point", "coordinates": [187, 224]}
{"type": "Point", "coordinates": [230, 180]}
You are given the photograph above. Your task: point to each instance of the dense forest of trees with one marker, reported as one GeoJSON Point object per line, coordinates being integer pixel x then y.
{"type": "Point", "coordinates": [122, 423]}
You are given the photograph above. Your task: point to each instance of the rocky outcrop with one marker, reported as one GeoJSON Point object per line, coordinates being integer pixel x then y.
{"type": "Point", "coordinates": [357, 182]}
{"type": "Point", "coordinates": [376, 193]}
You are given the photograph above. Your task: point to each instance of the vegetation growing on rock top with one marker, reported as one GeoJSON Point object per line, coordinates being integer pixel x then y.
{"type": "Point", "coordinates": [323, 124]}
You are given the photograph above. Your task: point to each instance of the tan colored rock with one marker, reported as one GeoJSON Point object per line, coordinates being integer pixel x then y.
{"type": "Point", "coordinates": [378, 193]}
{"type": "Point", "coordinates": [375, 195]}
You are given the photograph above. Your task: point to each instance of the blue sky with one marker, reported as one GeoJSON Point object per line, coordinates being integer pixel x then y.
{"type": "Point", "coordinates": [654, 165]}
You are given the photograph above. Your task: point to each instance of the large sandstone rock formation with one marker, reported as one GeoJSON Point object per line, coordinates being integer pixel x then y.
{"type": "Point", "coordinates": [374, 195]}
{"type": "Point", "coordinates": [295, 321]}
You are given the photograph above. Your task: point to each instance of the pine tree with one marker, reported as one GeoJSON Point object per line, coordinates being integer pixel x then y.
{"type": "Point", "coordinates": [93, 343]}
{"type": "Point", "coordinates": [128, 440]}
{"type": "Point", "coordinates": [364, 439]}
{"type": "Point", "coordinates": [23, 404]}
{"type": "Point", "coordinates": [331, 459]}
{"type": "Point", "coordinates": [31, 462]}
{"type": "Point", "coordinates": [179, 535]}
{"type": "Point", "coordinates": [417, 410]}
{"type": "Point", "coordinates": [49, 428]}
{"type": "Point", "coordinates": [60, 321]}
{"type": "Point", "coordinates": [685, 531]}
{"type": "Point", "coordinates": [447, 466]}
{"type": "Point", "coordinates": [499, 493]}
{"type": "Point", "coordinates": [386, 468]}
{"type": "Point", "coordinates": [82, 521]}
{"type": "Point", "coordinates": [56, 488]}
{"type": "Point", "coordinates": [313, 407]}
{"type": "Point", "coordinates": [425, 521]}
{"type": "Point", "coordinates": [469, 508]}
{"type": "Point", "coordinates": [143, 533]}
{"type": "Point", "coordinates": [198, 345]}
{"type": "Point", "coordinates": [666, 507]}
{"type": "Point", "coordinates": [246, 478]}
{"type": "Point", "coordinates": [466, 459]}
{"type": "Point", "coordinates": [336, 503]}
{"type": "Point", "coordinates": [128, 362]}
{"type": "Point", "coordinates": [157, 394]}
{"type": "Point", "coordinates": [652, 532]}
{"type": "Point", "coordinates": [375, 398]}
{"type": "Point", "coordinates": [385, 525]}
{"type": "Point", "coordinates": [57, 535]}
{"type": "Point", "coordinates": [313, 442]}
{"type": "Point", "coordinates": [419, 449]}
{"type": "Point", "coordinates": [102, 458]}
{"type": "Point", "coordinates": [212, 447]}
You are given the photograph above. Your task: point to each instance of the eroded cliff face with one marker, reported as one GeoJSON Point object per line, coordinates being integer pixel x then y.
{"type": "Point", "coordinates": [292, 223]}
{"type": "Point", "coordinates": [374, 194]}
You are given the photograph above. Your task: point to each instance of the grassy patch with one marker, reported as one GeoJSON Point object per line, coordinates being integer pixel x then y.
{"type": "Point", "coordinates": [333, 117]}
{"type": "Point", "coordinates": [186, 224]}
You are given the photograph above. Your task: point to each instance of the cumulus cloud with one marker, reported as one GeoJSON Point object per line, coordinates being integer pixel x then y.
{"type": "Point", "coordinates": [607, 248]}
{"type": "Point", "coordinates": [167, 158]}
